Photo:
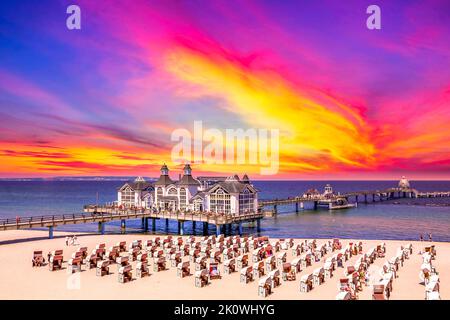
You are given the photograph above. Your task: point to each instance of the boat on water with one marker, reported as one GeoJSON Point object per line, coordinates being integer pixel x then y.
{"type": "Point", "coordinates": [336, 204]}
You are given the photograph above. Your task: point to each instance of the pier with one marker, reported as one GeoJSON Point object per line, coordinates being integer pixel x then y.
{"type": "Point", "coordinates": [365, 197]}
{"type": "Point", "coordinates": [433, 194]}
{"type": "Point", "coordinates": [104, 214]}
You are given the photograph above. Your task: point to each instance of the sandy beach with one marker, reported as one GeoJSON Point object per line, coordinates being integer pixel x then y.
{"type": "Point", "coordinates": [19, 280]}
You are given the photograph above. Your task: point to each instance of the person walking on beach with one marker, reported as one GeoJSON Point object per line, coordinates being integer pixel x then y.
{"type": "Point", "coordinates": [421, 237]}
{"type": "Point", "coordinates": [67, 241]}
{"type": "Point", "coordinates": [367, 278]}
{"type": "Point", "coordinates": [430, 237]}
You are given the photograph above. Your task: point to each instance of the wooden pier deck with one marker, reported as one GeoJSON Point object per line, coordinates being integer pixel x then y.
{"type": "Point", "coordinates": [104, 214]}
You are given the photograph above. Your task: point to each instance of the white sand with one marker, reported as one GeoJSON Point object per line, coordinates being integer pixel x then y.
{"type": "Point", "coordinates": [19, 280]}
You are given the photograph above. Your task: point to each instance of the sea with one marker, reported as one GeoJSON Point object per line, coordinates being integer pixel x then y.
{"type": "Point", "coordinates": [403, 219]}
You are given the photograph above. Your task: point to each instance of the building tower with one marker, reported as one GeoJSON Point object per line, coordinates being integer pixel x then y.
{"type": "Point", "coordinates": [404, 183]}
{"type": "Point", "coordinates": [328, 189]}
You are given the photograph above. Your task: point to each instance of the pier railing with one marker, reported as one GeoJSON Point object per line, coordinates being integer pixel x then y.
{"type": "Point", "coordinates": [36, 221]}
{"type": "Point", "coordinates": [209, 217]}
{"type": "Point", "coordinates": [357, 196]}
{"type": "Point", "coordinates": [94, 213]}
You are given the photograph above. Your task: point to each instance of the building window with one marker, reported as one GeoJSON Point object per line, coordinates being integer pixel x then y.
{"type": "Point", "coordinates": [148, 202]}
{"type": "Point", "coordinates": [159, 192]}
{"type": "Point", "coordinates": [183, 198]}
{"type": "Point", "coordinates": [128, 198]}
{"type": "Point", "coordinates": [246, 201]}
{"type": "Point", "coordinates": [172, 192]}
{"type": "Point", "coordinates": [198, 205]}
{"type": "Point", "coordinates": [220, 202]}
{"type": "Point", "coordinates": [159, 195]}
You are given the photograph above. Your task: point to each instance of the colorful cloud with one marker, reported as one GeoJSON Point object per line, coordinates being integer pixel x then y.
{"type": "Point", "coordinates": [349, 102]}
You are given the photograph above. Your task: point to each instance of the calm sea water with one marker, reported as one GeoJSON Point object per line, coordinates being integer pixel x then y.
{"type": "Point", "coordinates": [405, 220]}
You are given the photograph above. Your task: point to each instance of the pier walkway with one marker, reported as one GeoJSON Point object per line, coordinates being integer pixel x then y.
{"type": "Point", "coordinates": [369, 196]}
{"type": "Point", "coordinates": [104, 214]}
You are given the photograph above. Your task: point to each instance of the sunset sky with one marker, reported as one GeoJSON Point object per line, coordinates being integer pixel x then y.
{"type": "Point", "coordinates": [350, 103]}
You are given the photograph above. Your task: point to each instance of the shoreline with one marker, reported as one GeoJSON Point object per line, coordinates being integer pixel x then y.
{"type": "Point", "coordinates": [25, 282]}
{"type": "Point", "coordinates": [59, 234]}
{"type": "Point", "coordinates": [63, 233]}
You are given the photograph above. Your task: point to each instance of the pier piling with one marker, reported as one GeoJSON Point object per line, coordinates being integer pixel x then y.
{"type": "Point", "coordinates": [258, 225]}
{"type": "Point", "coordinates": [240, 228]}
{"type": "Point", "coordinates": [181, 228]}
{"type": "Point", "coordinates": [217, 230]}
{"type": "Point", "coordinates": [50, 232]}
{"type": "Point", "coordinates": [145, 224]}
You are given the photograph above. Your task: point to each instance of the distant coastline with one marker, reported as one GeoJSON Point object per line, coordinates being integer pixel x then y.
{"type": "Point", "coordinates": [79, 178]}
{"type": "Point", "coordinates": [445, 204]}
{"type": "Point", "coordinates": [419, 202]}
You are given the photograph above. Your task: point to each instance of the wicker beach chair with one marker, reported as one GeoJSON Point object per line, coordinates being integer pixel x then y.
{"type": "Point", "coordinates": [229, 266]}
{"type": "Point", "coordinates": [124, 274]}
{"type": "Point", "coordinates": [102, 268]}
{"type": "Point", "coordinates": [142, 269]}
{"type": "Point", "coordinates": [246, 274]}
{"type": "Point", "coordinates": [183, 269]}
{"type": "Point", "coordinates": [201, 278]}
{"type": "Point", "coordinates": [38, 259]}
{"type": "Point", "coordinates": [264, 287]}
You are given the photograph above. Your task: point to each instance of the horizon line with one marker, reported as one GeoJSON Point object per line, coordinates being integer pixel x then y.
{"type": "Point", "coordinates": [279, 179]}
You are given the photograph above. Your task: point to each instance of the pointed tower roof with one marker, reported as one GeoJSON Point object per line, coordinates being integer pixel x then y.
{"type": "Point", "coordinates": [234, 177]}
{"type": "Point", "coordinates": [139, 184]}
{"type": "Point", "coordinates": [187, 179]}
{"type": "Point", "coordinates": [164, 179]}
